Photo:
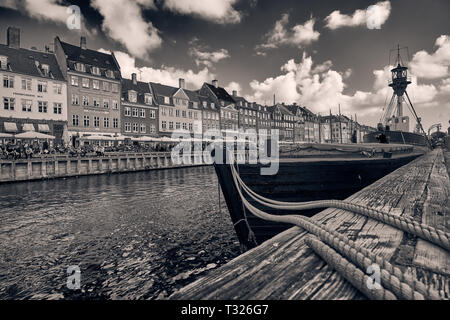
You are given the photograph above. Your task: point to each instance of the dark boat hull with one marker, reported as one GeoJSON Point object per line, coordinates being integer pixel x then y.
{"type": "Point", "coordinates": [399, 137]}
{"type": "Point", "coordinates": [299, 180]}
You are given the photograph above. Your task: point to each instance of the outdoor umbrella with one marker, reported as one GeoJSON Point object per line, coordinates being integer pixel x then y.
{"type": "Point", "coordinates": [33, 135]}
{"type": "Point", "coordinates": [5, 135]}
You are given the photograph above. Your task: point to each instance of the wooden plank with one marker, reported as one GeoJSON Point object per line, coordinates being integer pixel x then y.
{"type": "Point", "coordinates": [285, 268]}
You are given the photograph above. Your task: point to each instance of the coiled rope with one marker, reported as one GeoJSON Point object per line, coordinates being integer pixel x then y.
{"type": "Point", "coordinates": [404, 285]}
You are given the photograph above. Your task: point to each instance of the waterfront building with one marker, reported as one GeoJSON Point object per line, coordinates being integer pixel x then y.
{"type": "Point", "coordinates": [138, 111]}
{"type": "Point", "coordinates": [93, 91]}
{"type": "Point", "coordinates": [299, 123]}
{"type": "Point", "coordinates": [264, 121]}
{"type": "Point", "coordinates": [179, 108]}
{"type": "Point", "coordinates": [247, 113]}
{"type": "Point", "coordinates": [210, 114]}
{"type": "Point", "coordinates": [33, 90]}
{"type": "Point", "coordinates": [283, 120]}
{"type": "Point", "coordinates": [229, 114]}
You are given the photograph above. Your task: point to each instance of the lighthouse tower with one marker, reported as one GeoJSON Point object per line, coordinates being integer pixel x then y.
{"type": "Point", "coordinates": [399, 82]}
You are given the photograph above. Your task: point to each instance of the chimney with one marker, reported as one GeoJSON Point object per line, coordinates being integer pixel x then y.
{"type": "Point", "coordinates": [215, 83]}
{"type": "Point", "coordinates": [13, 37]}
{"type": "Point", "coordinates": [181, 83]}
{"type": "Point", "coordinates": [234, 93]}
{"type": "Point", "coordinates": [83, 42]}
{"type": "Point", "coordinates": [133, 77]}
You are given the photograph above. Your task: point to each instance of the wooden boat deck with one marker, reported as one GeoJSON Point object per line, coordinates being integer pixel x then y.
{"type": "Point", "coordinates": [284, 267]}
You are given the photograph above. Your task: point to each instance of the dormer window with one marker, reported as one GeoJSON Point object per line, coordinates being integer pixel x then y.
{"type": "Point", "coordinates": [80, 67]}
{"type": "Point", "coordinates": [109, 74]}
{"type": "Point", "coordinates": [166, 100]}
{"type": "Point", "coordinates": [204, 104]}
{"type": "Point", "coordinates": [3, 62]}
{"type": "Point", "coordinates": [212, 105]}
{"type": "Point", "coordinates": [194, 105]}
{"type": "Point", "coordinates": [45, 69]}
{"type": "Point", "coordinates": [132, 96]}
{"type": "Point", "coordinates": [148, 99]}
{"type": "Point", "coordinates": [95, 71]}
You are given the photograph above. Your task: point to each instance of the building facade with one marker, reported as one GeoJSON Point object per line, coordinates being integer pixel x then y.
{"type": "Point", "coordinates": [248, 113]}
{"type": "Point", "coordinates": [178, 108]}
{"type": "Point", "coordinates": [210, 114]}
{"type": "Point", "coordinates": [94, 90]}
{"type": "Point", "coordinates": [138, 110]}
{"type": "Point", "coordinates": [33, 91]}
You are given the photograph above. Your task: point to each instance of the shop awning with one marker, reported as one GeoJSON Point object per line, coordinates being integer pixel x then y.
{"type": "Point", "coordinates": [5, 135]}
{"type": "Point", "coordinates": [33, 135]}
{"type": "Point", "coordinates": [10, 126]}
{"type": "Point", "coordinates": [43, 128]}
{"type": "Point", "coordinates": [28, 127]}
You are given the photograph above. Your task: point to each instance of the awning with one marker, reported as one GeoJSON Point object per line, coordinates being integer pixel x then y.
{"type": "Point", "coordinates": [43, 128]}
{"type": "Point", "coordinates": [10, 126]}
{"type": "Point", "coordinates": [28, 127]}
{"type": "Point", "coordinates": [5, 135]}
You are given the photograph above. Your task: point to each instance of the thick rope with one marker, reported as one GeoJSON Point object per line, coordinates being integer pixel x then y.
{"type": "Point", "coordinates": [348, 270]}
{"type": "Point", "coordinates": [408, 225]}
{"type": "Point", "coordinates": [404, 285]}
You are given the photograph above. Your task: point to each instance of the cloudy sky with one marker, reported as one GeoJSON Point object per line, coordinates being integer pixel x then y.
{"type": "Point", "coordinates": [317, 53]}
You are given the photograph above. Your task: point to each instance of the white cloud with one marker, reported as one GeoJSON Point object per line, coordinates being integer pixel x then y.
{"type": "Point", "coordinates": [233, 85]}
{"type": "Point", "coordinates": [435, 65]}
{"type": "Point", "coordinates": [164, 75]}
{"type": "Point", "coordinates": [124, 23]}
{"type": "Point", "coordinates": [298, 36]}
{"type": "Point", "coordinates": [373, 16]}
{"type": "Point", "coordinates": [51, 10]}
{"type": "Point", "coordinates": [217, 11]}
{"type": "Point", "coordinates": [204, 56]}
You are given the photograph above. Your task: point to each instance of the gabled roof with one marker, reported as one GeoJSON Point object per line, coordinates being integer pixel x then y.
{"type": "Point", "coordinates": [141, 89]}
{"type": "Point", "coordinates": [220, 93]}
{"type": "Point", "coordinates": [160, 91]}
{"type": "Point", "coordinates": [208, 101]}
{"type": "Point", "coordinates": [23, 61]}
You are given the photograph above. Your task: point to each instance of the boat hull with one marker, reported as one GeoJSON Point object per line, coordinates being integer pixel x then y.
{"type": "Point", "coordinates": [399, 137]}
{"type": "Point", "coordinates": [299, 180]}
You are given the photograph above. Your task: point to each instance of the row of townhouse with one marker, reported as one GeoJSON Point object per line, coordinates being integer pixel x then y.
{"type": "Point", "coordinates": [79, 95]}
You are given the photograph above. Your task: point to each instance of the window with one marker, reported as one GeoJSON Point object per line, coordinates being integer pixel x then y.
{"type": "Point", "coordinates": [57, 88]}
{"type": "Point", "coordinates": [26, 105]}
{"type": "Point", "coordinates": [42, 86]}
{"type": "Point", "coordinates": [132, 96]}
{"type": "Point", "coordinates": [190, 126]}
{"type": "Point", "coordinates": [135, 112]}
{"type": "Point", "coordinates": [106, 122]}
{"type": "Point", "coordinates": [163, 111]}
{"type": "Point", "coordinates": [166, 100]}
{"type": "Point", "coordinates": [74, 81]}
{"type": "Point", "coordinates": [106, 103]}
{"type": "Point", "coordinates": [171, 112]}
{"type": "Point", "coordinates": [177, 113]}
{"type": "Point", "coordinates": [171, 125]}
{"type": "Point", "coordinates": [45, 69]}
{"type": "Point", "coordinates": [183, 113]}
{"type": "Point", "coordinates": [190, 114]}
{"type": "Point", "coordinates": [26, 84]}
{"type": "Point", "coordinates": [184, 126]}
{"type": "Point", "coordinates": [177, 125]}
{"type": "Point", "coordinates": [152, 114]}
{"type": "Point", "coordinates": [142, 113]}
{"type": "Point", "coordinates": [143, 128]}
{"type": "Point", "coordinates": [75, 120]}
{"type": "Point", "coordinates": [8, 103]}
{"type": "Point", "coordinates": [105, 86]}
{"type": "Point", "coordinates": [57, 108]}
{"type": "Point", "coordinates": [115, 87]}
{"type": "Point", "coordinates": [195, 115]}
{"type": "Point", "coordinates": [96, 102]}
{"type": "Point", "coordinates": [96, 84]}
{"type": "Point", "coordinates": [86, 120]}
{"type": "Point", "coordinates": [95, 70]}
{"type": "Point", "coordinates": [127, 111]}
{"type": "Point", "coordinates": [127, 127]}
{"type": "Point", "coordinates": [85, 82]}
{"type": "Point", "coordinates": [3, 62]}
{"type": "Point", "coordinates": [148, 99]}
{"type": "Point", "coordinates": [96, 121]}
{"type": "Point", "coordinates": [195, 105]}
{"type": "Point", "coordinates": [135, 127]}
{"type": "Point", "coordinates": [42, 106]}
{"type": "Point", "coordinates": [152, 128]}
{"type": "Point", "coordinates": [110, 74]}
{"type": "Point", "coordinates": [164, 124]}
{"type": "Point", "coordinates": [75, 100]}
{"type": "Point", "coordinates": [80, 67]}
{"type": "Point", "coordinates": [85, 101]}
{"type": "Point", "coordinates": [115, 104]}
{"type": "Point", "coordinates": [115, 122]}
{"type": "Point", "coordinates": [8, 81]}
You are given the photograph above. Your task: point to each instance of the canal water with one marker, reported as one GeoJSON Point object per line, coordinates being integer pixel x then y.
{"type": "Point", "coordinates": [134, 236]}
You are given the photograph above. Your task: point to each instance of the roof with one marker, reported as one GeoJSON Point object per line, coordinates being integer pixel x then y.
{"type": "Point", "coordinates": [140, 87]}
{"type": "Point", "coordinates": [161, 90]}
{"type": "Point", "coordinates": [220, 93]}
{"type": "Point", "coordinates": [24, 61]}
{"type": "Point", "coordinates": [104, 61]}
{"type": "Point", "coordinates": [209, 101]}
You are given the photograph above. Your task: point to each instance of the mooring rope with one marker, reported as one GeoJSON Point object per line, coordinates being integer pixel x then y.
{"type": "Point", "coordinates": [402, 284]}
